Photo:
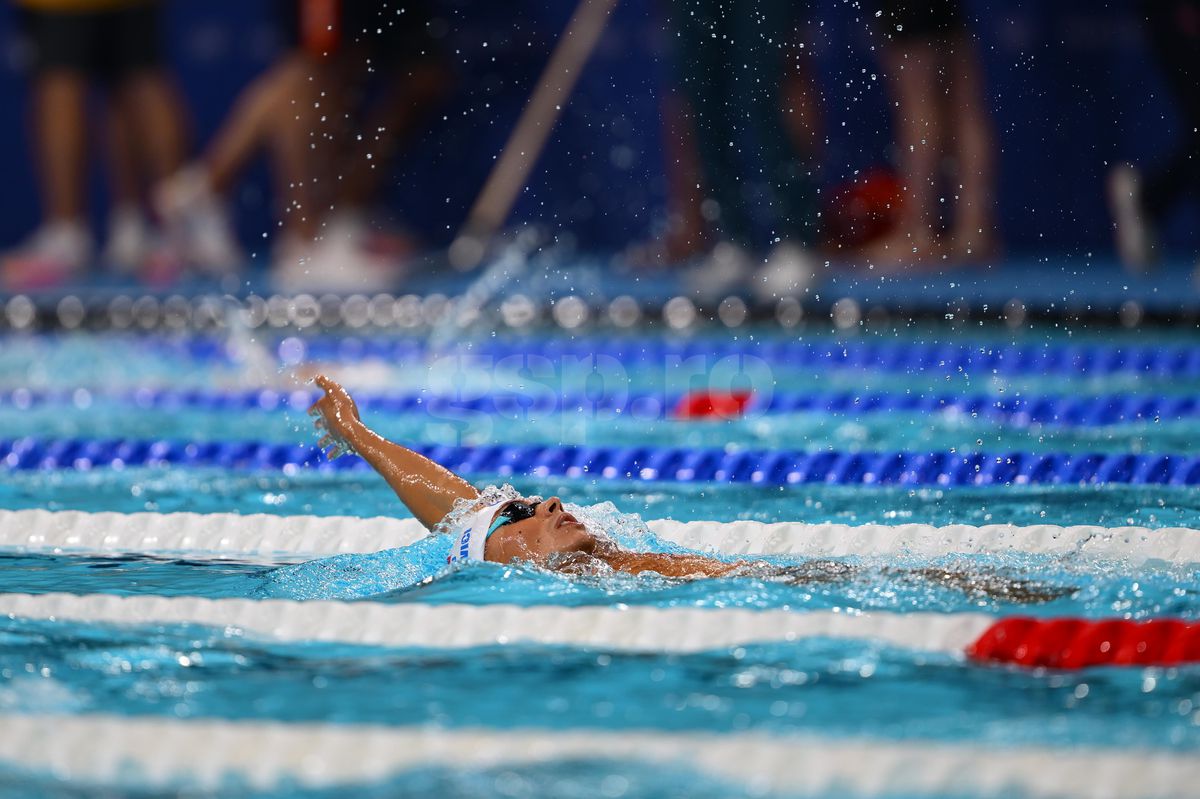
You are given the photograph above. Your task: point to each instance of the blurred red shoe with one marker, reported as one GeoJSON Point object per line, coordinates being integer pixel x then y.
{"type": "Point", "coordinates": [863, 210]}
{"type": "Point", "coordinates": [53, 255]}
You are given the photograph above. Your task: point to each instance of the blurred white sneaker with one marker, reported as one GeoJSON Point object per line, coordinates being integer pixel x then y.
{"type": "Point", "coordinates": [52, 255]}
{"type": "Point", "coordinates": [334, 266]}
{"type": "Point", "coordinates": [789, 271]}
{"type": "Point", "coordinates": [198, 222]}
{"type": "Point", "coordinates": [726, 268]}
{"type": "Point", "coordinates": [130, 240]}
{"type": "Point", "coordinates": [1136, 243]}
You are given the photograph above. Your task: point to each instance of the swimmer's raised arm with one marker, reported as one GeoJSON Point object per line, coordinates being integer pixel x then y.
{"type": "Point", "coordinates": [428, 489]}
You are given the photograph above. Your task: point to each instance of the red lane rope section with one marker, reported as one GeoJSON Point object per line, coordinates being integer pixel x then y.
{"type": "Point", "coordinates": [1079, 643]}
{"type": "Point", "coordinates": [713, 404]}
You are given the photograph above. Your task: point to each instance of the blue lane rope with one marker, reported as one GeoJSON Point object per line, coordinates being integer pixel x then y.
{"type": "Point", "coordinates": [681, 464]}
{"type": "Point", "coordinates": [892, 356]}
{"type": "Point", "coordinates": [1034, 409]}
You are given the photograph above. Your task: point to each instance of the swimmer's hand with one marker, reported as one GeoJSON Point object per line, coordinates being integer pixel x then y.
{"type": "Point", "coordinates": [336, 417]}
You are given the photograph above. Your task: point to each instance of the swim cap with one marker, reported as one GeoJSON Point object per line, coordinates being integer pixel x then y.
{"type": "Point", "coordinates": [470, 535]}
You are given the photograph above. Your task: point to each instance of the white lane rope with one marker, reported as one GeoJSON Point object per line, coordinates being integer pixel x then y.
{"type": "Point", "coordinates": [616, 628]}
{"type": "Point", "coordinates": [170, 753]}
{"type": "Point", "coordinates": [293, 537]}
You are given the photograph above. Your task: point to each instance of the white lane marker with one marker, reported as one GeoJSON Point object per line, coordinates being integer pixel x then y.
{"type": "Point", "coordinates": [267, 537]}
{"type": "Point", "coordinates": [637, 629]}
{"type": "Point", "coordinates": [169, 753]}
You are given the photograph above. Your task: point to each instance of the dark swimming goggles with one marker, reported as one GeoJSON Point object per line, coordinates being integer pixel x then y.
{"type": "Point", "coordinates": [516, 511]}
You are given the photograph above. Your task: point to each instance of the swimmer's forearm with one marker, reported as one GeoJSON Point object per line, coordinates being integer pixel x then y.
{"type": "Point", "coordinates": [428, 489]}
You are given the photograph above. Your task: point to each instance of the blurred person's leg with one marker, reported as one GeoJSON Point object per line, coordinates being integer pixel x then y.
{"type": "Point", "coordinates": [969, 132]}
{"type": "Point", "coordinates": [709, 82]}
{"type": "Point", "coordinates": [301, 144]}
{"type": "Point", "coordinates": [914, 58]}
{"type": "Point", "coordinates": [784, 187]}
{"type": "Point", "coordinates": [193, 199]}
{"type": "Point", "coordinates": [801, 103]}
{"type": "Point", "coordinates": [250, 125]}
{"type": "Point", "coordinates": [685, 233]}
{"type": "Point", "coordinates": [781, 186]}
{"type": "Point", "coordinates": [914, 79]}
{"type": "Point", "coordinates": [142, 86]}
{"type": "Point", "coordinates": [1175, 34]}
{"type": "Point", "coordinates": [155, 106]}
{"type": "Point", "coordinates": [1140, 202]}
{"type": "Point", "coordinates": [62, 245]}
{"type": "Point", "coordinates": [129, 240]}
{"type": "Point", "coordinates": [317, 143]}
{"type": "Point", "coordinates": [61, 142]}
{"type": "Point", "coordinates": [146, 128]}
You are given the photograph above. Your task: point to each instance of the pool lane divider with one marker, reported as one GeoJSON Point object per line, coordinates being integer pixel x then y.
{"type": "Point", "coordinates": [640, 463]}
{"type": "Point", "coordinates": [1048, 643]}
{"type": "Point", "coordinates": [154, 752]}
{"type": "Point", "coordinates": [821, 353]}
{"type": "Point", "coordinates": [272, 538]}
{"type": "Point", "coordinates": [1049, 409]}
{"type": "Point", "coordinates": [206, 754]}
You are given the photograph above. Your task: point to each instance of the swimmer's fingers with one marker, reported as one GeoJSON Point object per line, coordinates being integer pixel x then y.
{"type": "Point", "coordinates": [327, 441]}
{"type": "Point", "coordinates": [319, 423]}
{"type": "Point", "coordinates": [339, 449]}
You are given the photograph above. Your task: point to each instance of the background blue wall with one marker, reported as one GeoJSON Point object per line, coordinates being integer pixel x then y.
{"type": "Point", "coordinates": [1071, 83]}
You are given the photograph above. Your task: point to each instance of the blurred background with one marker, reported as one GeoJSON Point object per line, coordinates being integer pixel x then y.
{"type": "Point", "coordinates": [223, 137]}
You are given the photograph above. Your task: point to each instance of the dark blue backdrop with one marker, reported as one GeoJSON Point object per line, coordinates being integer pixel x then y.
{"type": "Point", "coordinates": [1072, 86]}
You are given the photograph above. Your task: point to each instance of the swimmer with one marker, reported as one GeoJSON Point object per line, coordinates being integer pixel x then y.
{"type": "Point", "coordinates": [546, 534]}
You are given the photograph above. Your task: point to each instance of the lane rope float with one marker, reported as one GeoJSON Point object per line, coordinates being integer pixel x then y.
{"type": "Point", "coordinates": [644, 463]}
{"type": "Point", "coordinates": [206, 753]}
{"type": "Point", "coordinates": [271, 537]}
{"type": "Point", "coordinates": [1061, 643]}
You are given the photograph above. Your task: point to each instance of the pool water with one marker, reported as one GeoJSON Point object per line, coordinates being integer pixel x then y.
{"type": "Point", "coordinates": [1026, 584]}
{"type": "Point", "coordinates": [205, 490]}
{"type": "Point", "coordinates": [835, 688]}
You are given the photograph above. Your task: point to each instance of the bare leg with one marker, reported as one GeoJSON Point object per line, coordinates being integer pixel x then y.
{"type": "Point", "coordinates": [60, 142]}
{"type": "Point", "coordinates": [300, 133]}
{"type": "Point", "coordinates": [157, 118]}
{"type": "Point", "coordinates": [122, 152]}
{"type": "Point", "coordinates": [799, 92]}
{"type": "Point", "coordinates": [265, 104]}
{"type": "Point", "coordinates": [686, 233]}
{"type": "Point", "coordinates": [915, 79]}
{"type": "Point", "coordinates": [129, 242]}
{"type": "Point", "coordinates": [973, 234]}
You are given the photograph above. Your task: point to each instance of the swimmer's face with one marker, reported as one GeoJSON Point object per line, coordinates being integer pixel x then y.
{"type": "Point", "coordinates": [550, 530]}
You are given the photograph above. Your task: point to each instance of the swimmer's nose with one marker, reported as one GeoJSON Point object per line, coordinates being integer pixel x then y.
{"type": "Point", "coordinates": [552, 505]}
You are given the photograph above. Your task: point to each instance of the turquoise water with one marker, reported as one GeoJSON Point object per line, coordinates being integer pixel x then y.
{"type": "Point", "coordinates": [804, 431]}
{"type": "Point", "coordinates": [834, 688]}
{"type": "Point", "coordinates": [572, 779]}
{"type": "Point", "coordinates": [1040, 585]}
{"type": "Point", "coordinates": [364, 494]}
{"type": "Point", "coordinates": [95, 361]}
